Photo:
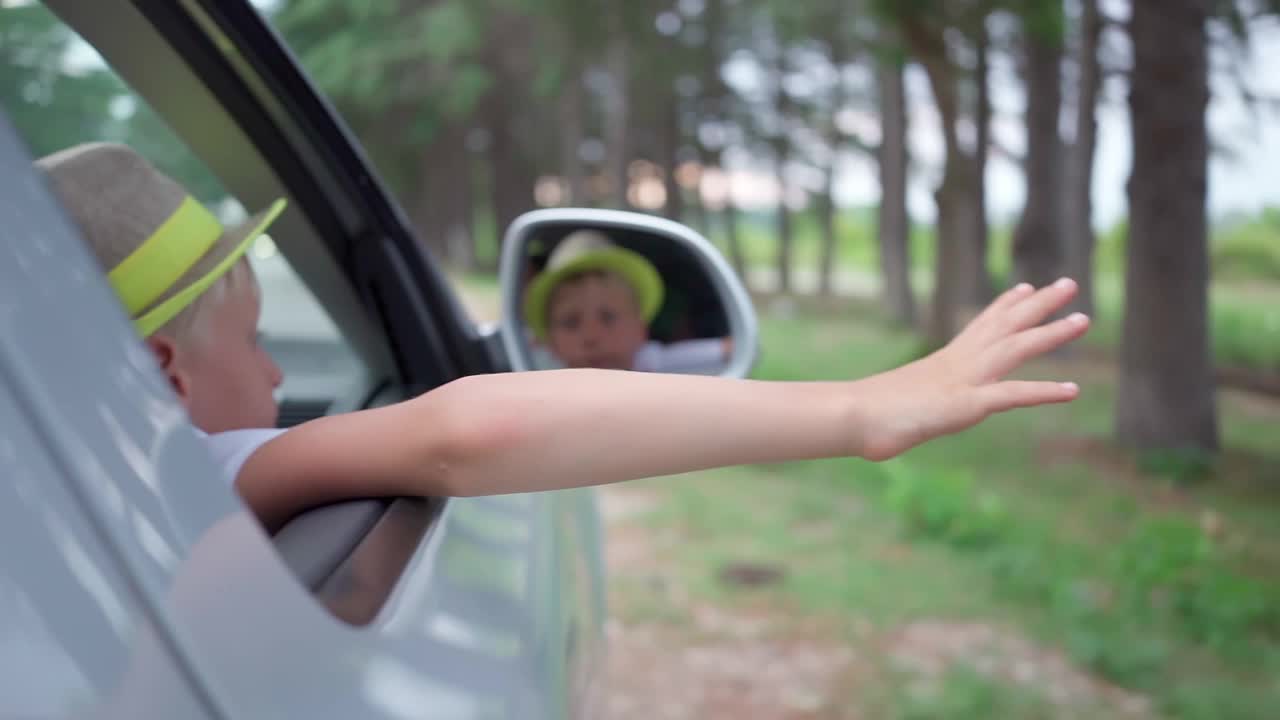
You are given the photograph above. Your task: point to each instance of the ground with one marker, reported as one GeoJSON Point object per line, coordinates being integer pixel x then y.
{"type": "Point", "coordinates": [673, 656]}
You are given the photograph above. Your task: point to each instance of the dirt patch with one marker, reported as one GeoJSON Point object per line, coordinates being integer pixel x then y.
{"type": "Point", "coordinates": [702, 661]}
{"type": "Point", "coordinates": [754, 658]}
{"type": "Point", "coordinates": [659, 673]}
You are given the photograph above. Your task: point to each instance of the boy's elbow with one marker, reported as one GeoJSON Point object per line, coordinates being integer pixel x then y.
{"type": "Point", "coordinates": [471, 439]}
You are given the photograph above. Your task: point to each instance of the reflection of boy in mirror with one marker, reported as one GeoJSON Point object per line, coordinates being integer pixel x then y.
{"type": "Point", "coordinates": [592, 306]}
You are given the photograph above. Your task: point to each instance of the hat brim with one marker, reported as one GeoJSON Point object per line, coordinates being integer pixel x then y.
{"type": "Point", "coordinates": [224, 254]}
{"type": "Point", "coordinates": [632, 266]}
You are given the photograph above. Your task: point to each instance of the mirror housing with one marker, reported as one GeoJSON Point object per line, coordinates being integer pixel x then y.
{"type": "Point", "coordinates": [645, 234]}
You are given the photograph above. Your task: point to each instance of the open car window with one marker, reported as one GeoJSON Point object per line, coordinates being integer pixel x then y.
{"type": "Point", "coordinates": [337, 355]}
{"type": "Point", "coordinates": [58, 92]}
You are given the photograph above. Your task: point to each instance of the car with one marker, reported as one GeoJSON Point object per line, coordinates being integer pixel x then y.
{"type": "Point", "coordinates": [133, 584]}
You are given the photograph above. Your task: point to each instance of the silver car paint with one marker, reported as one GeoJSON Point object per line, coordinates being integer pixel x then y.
{"type": "Point", "coordinates": [135, 584]}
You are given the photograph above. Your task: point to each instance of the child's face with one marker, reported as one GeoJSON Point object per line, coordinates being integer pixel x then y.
{"type": "Point", "coordinates": [223, 376]}
{"type": "Point", "coordinates": [594, 321]}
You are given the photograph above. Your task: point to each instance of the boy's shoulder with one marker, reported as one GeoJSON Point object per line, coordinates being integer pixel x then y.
{"type": "Point", "coordinates": [232, 448]}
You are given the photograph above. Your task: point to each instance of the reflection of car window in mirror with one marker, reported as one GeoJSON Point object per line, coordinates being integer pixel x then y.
{"type": "Point", "coordinates": [623, 300]}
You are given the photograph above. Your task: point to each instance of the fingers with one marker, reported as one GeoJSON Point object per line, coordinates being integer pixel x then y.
{"type": "Point", "coordinates": [1029, 344]}
{"type": "Point", "coordinates": [1045, 302]}
{"type": "Point", "coordinates": [1014, 394]}
{"type": "Point", "coordinates": [1002, 304]}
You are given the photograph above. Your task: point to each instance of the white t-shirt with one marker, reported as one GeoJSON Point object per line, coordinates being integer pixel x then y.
{"type": "Point", "coordinates": [231, 449]}
{"type": "Point", "coordinates": [704, 357]}
{"type": "Point", "coordinates": [686, 356]}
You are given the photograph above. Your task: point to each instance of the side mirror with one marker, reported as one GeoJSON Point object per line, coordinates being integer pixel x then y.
{"type": "Point", "coordinates": [621, 290]}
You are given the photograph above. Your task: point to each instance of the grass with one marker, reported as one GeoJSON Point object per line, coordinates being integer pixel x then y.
{"type": "Point", "coordinates": [1146, 576]}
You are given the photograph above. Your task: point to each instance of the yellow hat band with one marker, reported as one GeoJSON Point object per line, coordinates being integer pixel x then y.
{"type": "Point", "coordinates": [150, 270]}
{"type": "Point", "coordinates": [173, 249]}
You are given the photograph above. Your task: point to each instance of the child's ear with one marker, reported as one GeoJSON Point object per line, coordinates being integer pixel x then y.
{"type": "Point", "coordinates": [165, 352]}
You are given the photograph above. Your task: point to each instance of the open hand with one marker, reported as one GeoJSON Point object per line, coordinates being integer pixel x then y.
{"type": "Point", "coordinates": [962, 384]}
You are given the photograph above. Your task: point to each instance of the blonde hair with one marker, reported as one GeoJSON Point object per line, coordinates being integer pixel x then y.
{"type": "Point", "coordinates": [188, 325]}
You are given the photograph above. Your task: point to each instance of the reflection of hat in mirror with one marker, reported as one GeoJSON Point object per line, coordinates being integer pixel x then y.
{"type": "Point", "coordinates": [591, 250]}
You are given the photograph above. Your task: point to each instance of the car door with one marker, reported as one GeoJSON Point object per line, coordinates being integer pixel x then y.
{"type": "Point", "coordinates": [489, 607]}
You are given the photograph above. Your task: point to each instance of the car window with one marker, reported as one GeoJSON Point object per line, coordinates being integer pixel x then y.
{"type": "Point", "coordinates": [59, 92]}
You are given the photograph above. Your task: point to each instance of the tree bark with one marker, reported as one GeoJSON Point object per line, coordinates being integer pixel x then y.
{"type": "Point", "coordinates": [955, 270]}
{"type": "Point", "coordinates": [572, 132]}
{"type": "Point", "coordinates": [734, 240]}
{"type": "Point", "coordinates": [826, 207]}
{"type": "Point", "coordinates": [670, 143]}
{"type": "Point", "coordinates": [1078, 238]}
{"type": "Point", "coordinates": [781, 145]}
{"type": "Point", "coordinates": [983, 290]}
{"type": "Point", "coordinates": [893, 223]}
{"type": "Point", "coordinates": [1037, 248]}
{"type": "Point", "coordinates": [511, 176]}
{"type": "Point", "coordinates": [731, 235]}
{"type": "Point", "coordinates": [835, 34]}
{"type": "Point", "coordinates": [1166, 395]}
{"type": "Point", "coordinates": [782, 258]}
{"type": "Point", "coordinates": [617, 108]}
{"type": "Point", "coordinates": [441, 204]}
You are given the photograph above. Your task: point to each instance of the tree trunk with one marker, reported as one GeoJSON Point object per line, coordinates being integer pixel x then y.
{"type": "Point", "coordinates": [1166, 393]}
{"type": "Point", "coordinates": [955, 272]}
{"type": "Point", "coordinates": [983, 290]}
{"type": "Point", "coordinates": [731, 235]}
{"type": "Point", "coordinates": [702, 215]}
{"type": "Point", "coordinates": [734, 240]}
{"type": "Point", "coordinates": [1078, 238]}
{"type": "Point", "coordinates": [893, 223]}
{"type": "Point", "coordinates": [571, 135]}
{"type": "Point", "coordinates": [441, 204]}
{"type": "Point", "coordinates": [671, 139]}
{"type": "Point", "coordinates": [827, 218]}
{"type": "Point", "coordinates": [617, 130]}
{"type": "Point", "coordinates": [834, 34]}
{"type": "Point", "coordinates": [511, 176]}
{"type": "Point", "coordinates": [785, 239]}
{"type": "Point", "coordinates": [458, 200]}
{"type": "Point", "coordinates": [698, 208]}
{"type": "Point", "coordinates": [1037, 248]}
{"type": "Point", "coordinates": [781, 145]}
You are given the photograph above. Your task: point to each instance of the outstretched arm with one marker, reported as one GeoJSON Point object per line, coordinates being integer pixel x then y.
{"type": "Point", "coordinates": [509, 433]}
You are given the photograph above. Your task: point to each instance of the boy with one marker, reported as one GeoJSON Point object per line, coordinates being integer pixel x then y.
{"type": "Point", "coordinates": [184, 281]}
{"type": "Point", "coordinates": [592, 307]}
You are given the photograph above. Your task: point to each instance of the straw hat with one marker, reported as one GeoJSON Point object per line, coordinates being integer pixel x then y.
{"type": "Point", "coordinates": [160, 247]}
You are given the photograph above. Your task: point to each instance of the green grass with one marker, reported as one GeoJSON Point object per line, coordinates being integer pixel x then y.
{"type": "Point", "coordinates": [1031, 521]}
{"type": "Point", "coordinates": [962, 694]}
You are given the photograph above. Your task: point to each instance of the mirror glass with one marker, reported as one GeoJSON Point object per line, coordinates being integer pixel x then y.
{"type": "Point", "coordinates": [620, 298]}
